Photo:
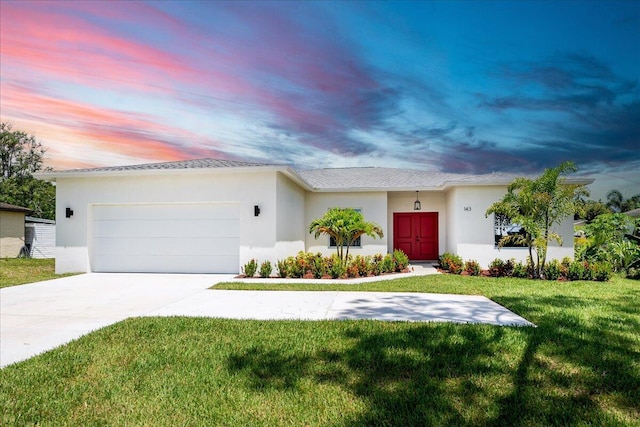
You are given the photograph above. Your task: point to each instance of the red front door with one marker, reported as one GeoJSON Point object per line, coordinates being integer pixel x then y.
{"type": "Point", "coordinates": [416, 234]}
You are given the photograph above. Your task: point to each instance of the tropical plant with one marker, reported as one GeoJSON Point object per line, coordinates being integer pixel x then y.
{"type": "Point", "coordinates": [345, 226]}
{"type": "Point", "coordinates": [401, 260]}
{"type": "Point", "coordinates": [250, 268]}
{"type": "Point", "coordinates": [538, 205]}
{"type": "Point", "coordinates": [605, 241]}
{"type": "Point", "coordinates": [265, 269]}
{"type": "Point", "coordinates": [553, 270]}
{"type": "Point", "coordinates": [451, 262]}
{"type": "Point", "coordinates": [472, 268]}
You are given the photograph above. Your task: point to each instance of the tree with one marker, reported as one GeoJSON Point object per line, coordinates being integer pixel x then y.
{"type": "Point", "coordinates": [538, 205]}
{"type": "Point", "coordinates": [588, 210]}
{"type": "Point", "coordinates": [20, 157]}
{"type": "Point", "coordinates": [617, 202]}
{"type": "Point", "coordinates": [345, 226]}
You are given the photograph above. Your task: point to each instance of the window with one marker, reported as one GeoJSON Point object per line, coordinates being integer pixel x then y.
{"type": "Point", "coordinates": [502, 226]}
{"type": "Point", "coordinates": [332, 242]}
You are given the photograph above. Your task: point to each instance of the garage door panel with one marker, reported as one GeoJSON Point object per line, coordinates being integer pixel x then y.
{"type": "Point", "coordinates": [164, 211]}
{"type": "Point", "coordinates": [166, 228]}
{"type": "Point", "coordinates": [166, 238]}
{"type": "Point", "coordinates": [164, 246]}
{"type": "Point", "coordinates": [166, 264]}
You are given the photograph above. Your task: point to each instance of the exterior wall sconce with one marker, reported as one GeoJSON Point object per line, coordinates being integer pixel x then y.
{"type": "Point", "coordinates": [417, 205]}
{"type": "Point", "coordinates": [256, 210]}
{"type": "Point", "coordinates": [68, 212]}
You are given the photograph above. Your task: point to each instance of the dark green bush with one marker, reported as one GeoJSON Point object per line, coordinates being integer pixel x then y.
{"type": "Point", "coordinates": [553, 270]}
{"type": "Point", "coordinates": [579, 270]}
{"type": "Point", "coordinates": [633, 273]}
{"type": "Point", "coordinates": [401, 260]}
{"type": "Point", "coordinates": [250, 268]}
{"type": "Point", "coordinates": [265, 269]}
{"type": "Point", "coordinates": [600, 271]}
{"type": "Point", "coordinates": [387, 265]}
{"type": "Point", "coordinates": [521, 271]}
{"type": "Point", "coordinates": [282, 267]}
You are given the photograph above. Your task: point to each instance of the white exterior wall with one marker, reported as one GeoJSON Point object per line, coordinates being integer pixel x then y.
{"type": "Point", "coordinates": [247, 189]}
{"type": "Point", "coordinates": [374, 209]}
{"type": "Point", "coordinates": [290, 221]}
{"type": "Point", "coordinates": [431, 201]}
{"type": "Point", "coordinates": [43, 241]}
{"type": "Point", "coordinates": [471, 233]}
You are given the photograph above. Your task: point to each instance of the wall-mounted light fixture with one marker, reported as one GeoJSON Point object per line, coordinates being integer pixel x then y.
{"type": "Point", "coordinates": [256, 210]}
{"type": "Point", "coordinates": [68, 213]}
{"type": "Point", "coordinates": [417, 205]}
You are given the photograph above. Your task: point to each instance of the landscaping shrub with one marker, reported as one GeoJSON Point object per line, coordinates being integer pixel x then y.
{"type": "Point", "coordinates": [500, 268]}
{"type": "Point", "coordinates": [376, 265]}
{"type": "Point", "coordinates": [401, 260]}
{"type": "Point", "coordinates": [552, 270]}
{"type": "Point", "coordinates": [600, 271]}
{"type": "Point", "coordinates": [265, 269]}
{"type": "Point", "coordinates": [337, 268]}
{"type": "Point", "coordinates": [579, 270]}
{"type": "Point", "coordinates": [633, 273]}
{"type": "Point", "coordinates": [496, 268]}
{"type": "Point", "coordinates": [522, 271]}
{"type": "Point", "coordinates": [364, 265]}
{"type": "Point", "coordinates": [451, 263]}
{"type": "Point", "coordinates": [472, 268]}
{"type": "Point", "coordinates": [387, 265]}
{"type": "Point", "coordinates": [249, 269]}
{"type": "Point", "coordinates": [352, 270]}
{"type": "Point", "coordinates": [318, 267]}
{"type": "Point", "coordinates": [282, 268]}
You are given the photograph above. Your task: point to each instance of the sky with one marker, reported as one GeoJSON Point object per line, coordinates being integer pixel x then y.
{"type": "Point", "coordinates": [451, 86]}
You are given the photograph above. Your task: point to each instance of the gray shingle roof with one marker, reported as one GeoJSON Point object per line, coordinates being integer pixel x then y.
{"type": "Point", "coordinates": [388, 178]}
{"type": "Point", "coordinates": [182, 164]}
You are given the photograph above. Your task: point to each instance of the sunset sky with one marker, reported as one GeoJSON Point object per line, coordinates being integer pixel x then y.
{"type": "Point", "coordinates": [453, 86]}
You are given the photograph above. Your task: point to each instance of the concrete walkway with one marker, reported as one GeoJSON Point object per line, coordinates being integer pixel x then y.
{"type": "Point", "coordinates": [41, 316]}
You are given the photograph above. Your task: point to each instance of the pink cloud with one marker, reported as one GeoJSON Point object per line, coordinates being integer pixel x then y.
{"type": "Point", "coordinates": [134, 135]}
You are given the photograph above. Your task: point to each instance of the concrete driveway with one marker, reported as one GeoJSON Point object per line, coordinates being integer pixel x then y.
{"type": "Point", "coordinates": [41, 316]}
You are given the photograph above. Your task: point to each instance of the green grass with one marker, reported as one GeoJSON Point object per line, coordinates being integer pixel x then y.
{"type": "Point", "coordinates": [18, 271]}
{"type": "Point", "coordinates": [580, 366]}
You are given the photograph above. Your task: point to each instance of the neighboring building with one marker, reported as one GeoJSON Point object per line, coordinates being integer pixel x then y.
{"type": "Point", "coordinates": [12, 229]}
{"type": "Point", "coordinates": [212, 216]}
{"type": "Point", "coordinates": [40, 237]}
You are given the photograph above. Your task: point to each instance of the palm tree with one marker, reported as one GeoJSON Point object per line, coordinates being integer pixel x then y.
{"type": "Point", "coordinates": [345, 226]}
{"type": "Point", "coordinates": [538, 205]}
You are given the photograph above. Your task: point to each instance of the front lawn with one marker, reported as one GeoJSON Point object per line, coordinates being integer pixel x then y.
{"type": "Point", "coordinates": [18, 271]}
{"type": "Point", "coordinates": [580, 366]}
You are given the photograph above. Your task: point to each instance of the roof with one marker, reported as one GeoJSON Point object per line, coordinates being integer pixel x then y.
{"type": "Point", "coordinates": [386, 179]}
{"type": "Point", "coordinates": [330, 179]}
{"type": "Point", "coordinates": [31, 219]}
{"type": "Point", "coordinates": [633, 213]}
{"type": "Point", "coordinates": [182, 164]}
{"type": "Point", "coordinates": [13, 208]}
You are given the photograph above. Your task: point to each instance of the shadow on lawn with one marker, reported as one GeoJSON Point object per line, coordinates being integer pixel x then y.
{"type": "Point", "coordinates": [562, 373]}
{"type": "Point", "coordinates": [582, 365]}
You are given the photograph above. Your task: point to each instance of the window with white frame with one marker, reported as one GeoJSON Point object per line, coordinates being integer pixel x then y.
{"type": "Point", "coordinates": [502, 227]}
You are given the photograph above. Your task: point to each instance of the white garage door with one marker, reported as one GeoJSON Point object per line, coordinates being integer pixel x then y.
{"type": "Point", "coordinates": [166, 238]}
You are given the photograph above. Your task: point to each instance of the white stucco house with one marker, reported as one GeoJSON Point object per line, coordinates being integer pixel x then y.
{"type": "Point", "coordinates": [212, 216]}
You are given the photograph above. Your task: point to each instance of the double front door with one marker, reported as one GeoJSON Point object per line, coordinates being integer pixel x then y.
{"type": "Point", "coordinates": [416, 234]}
